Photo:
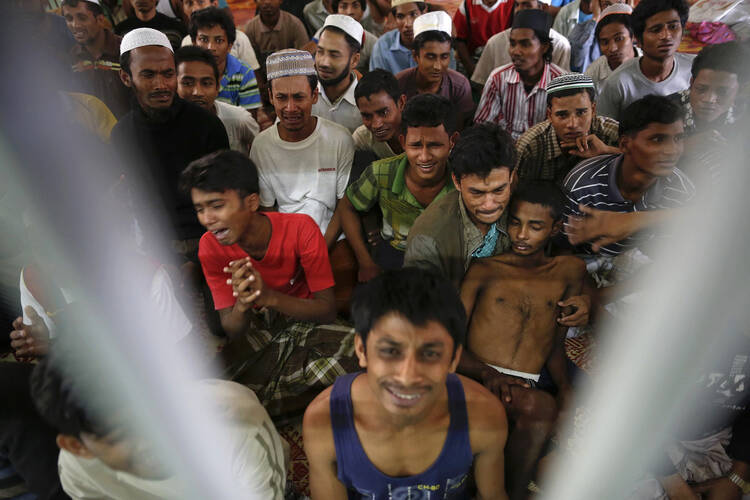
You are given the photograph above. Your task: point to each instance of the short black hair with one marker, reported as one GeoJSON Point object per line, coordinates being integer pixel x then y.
{"type": "Point", "coordinates": [93, 8]}
{"type": "Point", "coordinates": [623, 19]}
{"type": "Point", "coordinates": [354, 45]}
{"type": "Point", "coordinates": [538, 192]}
{"type": "Point", "coordinates": [212, 16]}
{"type": "Point", "coordinates": [430, 36]}
{"type": "Point", "coordinates": [193, 53]}
{"type": "Point", "coordinates": [428, 110]}
{"type": "Point", "coordinates": [416, 294]}
{"type": "Point", "coordinates": [64, 399]}
{"type": "Point", "coordinates": [420, 5]}
{"type": "Point", "coordinates": [648, 8]}
{"type": "Point", "coordinates": [649, 109]}
{"type": "Point", "coordinates": [726, 57]}
{"type": "Point", "coordinates": [311, 79]}
{"type": "Point", "coordinates": [335, 5]}
{"type": "Point", "coordinates": [219, 172]}
{"type": "Point", "coordinates": [481, 149]}
{"type": "Point", "coordinates": [570, 92]}
{"type": "Point", "coordinates": [378, 80]}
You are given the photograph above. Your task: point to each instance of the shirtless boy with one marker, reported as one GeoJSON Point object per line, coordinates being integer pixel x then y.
{"type": "Point", "coordinates": [406, 427]}
{"type": "Point", "coordinates": [513, 302]}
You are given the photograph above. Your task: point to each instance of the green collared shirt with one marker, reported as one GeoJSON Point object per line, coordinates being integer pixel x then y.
{"type": "Point", "coordinates": [540, 156]}
{"type": "Point", "coordinates": [384, 183]}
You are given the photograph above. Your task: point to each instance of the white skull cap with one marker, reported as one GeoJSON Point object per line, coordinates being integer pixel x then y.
{"type": "Point", "coordinates": [142, 37]}
{"type": "Point", "coordinates": [349, 25]}
{"type": "Point", "coordinates": [433, 21]}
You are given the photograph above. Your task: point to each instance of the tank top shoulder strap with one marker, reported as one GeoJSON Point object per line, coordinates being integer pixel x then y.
{"type": "Point", "coordinates": [345, 436]}
{"type": "Point", "coordinates": [458, 435]}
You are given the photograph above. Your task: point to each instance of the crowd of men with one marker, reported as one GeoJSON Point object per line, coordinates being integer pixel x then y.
{"type": "Point", "coordinates": [392, 230]}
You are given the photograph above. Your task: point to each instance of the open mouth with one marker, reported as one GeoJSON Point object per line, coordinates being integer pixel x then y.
{"type": "Point", "coordinates": [220, 233]}
{"type": "Point", "coordinates": [427, 168]}
{"type": "Point", "coordinates": [404, 399]}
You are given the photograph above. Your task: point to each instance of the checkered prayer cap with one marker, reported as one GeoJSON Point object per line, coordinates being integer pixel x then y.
{"type": "Point", "coordinates": [143, 37]}
{"type": "Point", "coordinates": [569, 81]}
{"type": "Point", "coordinates": [289, 62]}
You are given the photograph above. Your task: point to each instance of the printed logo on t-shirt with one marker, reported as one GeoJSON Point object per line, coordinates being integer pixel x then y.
{"type": "Point", "coordinates": [327, 169]}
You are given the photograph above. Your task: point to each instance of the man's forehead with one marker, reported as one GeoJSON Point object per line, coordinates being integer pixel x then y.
{"type": "Point", "coordinates": [664, 16]}
{"type": "Point", "coordinates": [519, 34]}
{"type": "Point", "coordinates": [330, 40]}
{"type": "Point", "coordinates": [212, 30]}
{"type": "Point", "coordinates": [426, 132]}
{"type": "Point", "coordinates": [406, 8]}
{"type": "Point", "coordinates": [575, 101]}
{"type": "Point", "coordinates": [394, 328]}
{"type": "Point", "coordinates": [378, 99]}
{"type": "Point", "coordinates": [433, 46]}
{"type": "Point", "coordinates": [198, 195]}
{"type": "Point", "coordinates": [717, 76]}
{"type": "Point", "coordinates": [195, 68]}
{"type": "Point", "coordinates": [664, 128]}
{"type": "Point", "coordinates": [497, 176]}
{"type": "Point", "coordinates": [152, 55]}
{"type": "Point", "coordinates": [291, 85]}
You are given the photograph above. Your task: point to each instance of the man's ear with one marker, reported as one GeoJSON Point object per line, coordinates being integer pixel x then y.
{"type": "Point", "coordinates": [402, 140]}
{"type": "Point", "coordinates": [593, 108]}
{"type": "Point", "coordinates": [513, 180]}
{"type": "Point", "coordinates": [624, 143]}
{"type": "Point", "coordinates": [454, 139]}
{"type": "Point", "coordinates": [456, 359]}
{"type": "Point", "coordinates": [315, 95]}
{"type": "Point", "coordinates": [456, 182]}
{"type": "Point", "coordinates": [125, 78]}
{"type": "Point", "coordinates": [415, 56]}
{"type": "Point", "coordinates": [557, 227]}
{"type": "Point", "coordinates": [359, 350]}
{"type": "Point", "coordinates": [355, 61]}
{"type": "Point", "coordinates": [73, 445]}
{"type": "Point", "coordinates": [252, 202]}
{"type": "Point", "coordinates": [401, 102]}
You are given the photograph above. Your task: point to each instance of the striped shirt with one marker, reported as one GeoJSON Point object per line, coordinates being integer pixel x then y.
{"type": "Point", "coordinates": [594, 183]}
{"type": "Point", "coordinates": [505, 101]}
{"type": "Point", "coordinates": [540, 156]}
{"type": "Point", "coordinates": [238, 85]}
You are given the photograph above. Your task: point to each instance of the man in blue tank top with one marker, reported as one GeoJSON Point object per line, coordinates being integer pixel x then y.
{"type": "Point", "coordinates": [407, 427]}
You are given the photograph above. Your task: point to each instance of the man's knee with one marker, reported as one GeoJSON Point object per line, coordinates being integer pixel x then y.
{"type": "Point", "coordinates": [532, 406]}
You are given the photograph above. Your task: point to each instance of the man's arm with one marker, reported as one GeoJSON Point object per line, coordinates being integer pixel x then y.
{"type": "Point", "coordinates": [602, 228]}
{"type": "Point", "coordinates": [317, 435]}
{"type": "Point", "coordinates": [488, 430]}
{"type": "Point", "coordinates": [462, 47]}
{"type": "Point", "coordinates": [352, 226]}
{"type": "Point", "coordinates": [334, 228]}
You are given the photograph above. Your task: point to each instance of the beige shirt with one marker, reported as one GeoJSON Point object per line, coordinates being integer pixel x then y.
{"type": "Point", "coordinates": [240, 125]}
{"type": "Point", "coordinates": [364, 140]}
{"type": "Point", "coordinates": [495, 54]}
{"type": "Point", "coordinates": [242, 49]}
{"type": "Point", "coordinates": [344, 111]}
{"type": "Point", "coordinates": [599, 70]}
{"type": "Point", "coordinates": [289, 33]}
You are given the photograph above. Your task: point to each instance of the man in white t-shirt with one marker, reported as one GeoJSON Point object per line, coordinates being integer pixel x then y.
{"type": "Point", "coordinates": [197, 82]}
{"type": "Point", "coordinates": [303, 161]}
{"type": "Point", "coordinates": [102, 457]}
{"type": "Point", "coordinates": [242, 49]}
{"type": "Point", "coordinates": [657, 25]}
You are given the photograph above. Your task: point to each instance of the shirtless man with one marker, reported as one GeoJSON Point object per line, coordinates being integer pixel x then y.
{"type": "Point", "coordinates": [513, 302]}
{"type": "Point", "coordinates": [406, 427]}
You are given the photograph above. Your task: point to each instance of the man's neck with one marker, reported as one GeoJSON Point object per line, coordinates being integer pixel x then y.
{"type": "Point", "coordinates": [223, 67]}
{"type": "Point", "coordinates": [272, 21]}
{"type": "Point", "coordinates": [656, 70]}
{"type": "Point", "coordinates": [403, 43]}
{"type": "Point", "coordinates": [530, 261]}
{"type": "Point", "coordinates": [254, 241]}
{"type": "Point", "coordinates": [298, 135]}
{"type": "Point", "coordinates": [633, 182]}
{"type": "Point", "coordinates": [426, 87]}
{"type": "Point", "coordinates": [395, 144]}
{"type": "Point", "coordinates": [95, 47]}
{"type": "Point", "coordinates": [145, 16]}
{"type": "Point", "coordinates": [533, 76]}
{"type": "Point", "coordinates": [333, 92]}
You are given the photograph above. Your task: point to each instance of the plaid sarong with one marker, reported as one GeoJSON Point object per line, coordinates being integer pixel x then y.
{"type": "Point", "coordinates": [286, 362]}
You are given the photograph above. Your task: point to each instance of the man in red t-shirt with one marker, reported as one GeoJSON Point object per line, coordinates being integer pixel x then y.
{"type": "Point", "coordinates": [272, 284]}
{"type": "Point", "coordinates": [476, 21]}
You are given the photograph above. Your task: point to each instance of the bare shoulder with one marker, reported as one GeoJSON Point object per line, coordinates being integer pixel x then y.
{"type": "Point", "coordinates": [316, 423]}
{"type": "Point", "coordinates": [571, 266]}
{"type": "Point", "coordinates": [486, 412]}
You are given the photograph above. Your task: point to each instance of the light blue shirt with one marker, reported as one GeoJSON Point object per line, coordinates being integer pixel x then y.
{"type": "Point", "coordinates": [390, 55]}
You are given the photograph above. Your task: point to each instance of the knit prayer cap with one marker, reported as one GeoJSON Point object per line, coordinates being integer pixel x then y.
{"type": "Point", "coordinates": [289, 62]}
{"type": "Point", "coordinates": [569, 81]}
{"type": "Point", "coordinates": [142, 37]}
{"type": "Point", "coordinates": [348, 25]}
{"type": "Point", "coordinates": [534, 19]}
{"type": "Point", "coordinates": [433, 21]}
{"type": "Point", "coordinates": [616, 8]}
